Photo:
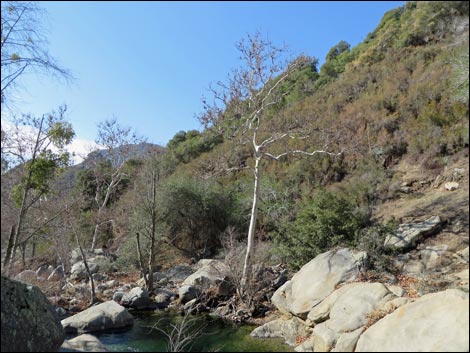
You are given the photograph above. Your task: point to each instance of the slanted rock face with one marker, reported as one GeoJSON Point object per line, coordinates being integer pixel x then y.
{"type": "Point", "coordinates": [29, 321]}
{"type": "Point", "coordinates": [316, 280]}
{"type": "Point", "coordinates": [435, 322]}
{"type": "Point", "coordinates": [108, 315]}
{"type": "Point", "coordinates": [409, 234]}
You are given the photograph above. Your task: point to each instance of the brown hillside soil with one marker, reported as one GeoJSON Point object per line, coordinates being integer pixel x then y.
{"type": "Point", "coordinates": [428, 197]}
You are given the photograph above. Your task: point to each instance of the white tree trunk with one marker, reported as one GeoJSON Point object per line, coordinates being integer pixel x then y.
{"type": "Point", "coordinates": [251, 229]}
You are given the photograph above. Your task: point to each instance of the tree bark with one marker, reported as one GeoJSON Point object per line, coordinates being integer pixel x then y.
{"type": "Point", "coordinates": [11, 240]}
{"type": "Point", "coordinates": [251, 229]}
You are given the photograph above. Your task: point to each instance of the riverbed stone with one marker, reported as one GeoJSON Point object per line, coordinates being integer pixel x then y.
{"type": "Point", "coordinates": [138, 298]}
{"type": "Point", "coordinates": [84, 343]}
{"type": "Point", "coordinates": [289, 329]}
{"type": "Point", "coordinates": [435, 322]}
{"type": "Point", "coordinates": [316, 280]}
{"type": "Point", "coordinates": [105, 316]}
{"type": "Point", "coordinates": [29, 322]}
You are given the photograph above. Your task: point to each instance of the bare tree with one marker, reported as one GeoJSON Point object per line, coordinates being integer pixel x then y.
{"type": "Point", "coordinates": [145, 220]}
{"type": "Point", "coordinates": [244, 107]}
{"type": "Point", "coordinates": [33, 150]}
{"type": "Point", "coordinates": [23, 44]}
{"type": "Point", "coordinates": [117, 142]}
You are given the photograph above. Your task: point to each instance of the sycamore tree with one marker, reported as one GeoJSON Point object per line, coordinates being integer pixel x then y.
{"type": "Point", "coordinates": [248, 107]}
{"type": "Point", "coordinates": [117, 143]}
{"type": "Point", "coordinates": [37, 145]}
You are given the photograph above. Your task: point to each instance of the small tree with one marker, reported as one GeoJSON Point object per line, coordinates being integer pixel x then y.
{"type": "Point", "coordinates": [145, 218]}
{"type": "Point", "coordinates": [246, 107]}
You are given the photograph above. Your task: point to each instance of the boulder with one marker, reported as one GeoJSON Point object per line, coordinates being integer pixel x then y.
{"type": "Point", "coordinates": [211, 274]}
{"type": "Point", "coordinates": [347, 341]}
{"type": "Point", "coordinates": [137, 298]}
{"type": "Point", "coordinates": [435, 322]}
{"type": "Point", "coordinates": [79, 272]}
{"type": "Point", "coordinates": [178, 273]}
{"type": "Point", "coordinates": [29, 321]}
{"type": "Point", "coordinates": [187, 293]}
{"type": "Point", "coordinates": [347, 308]}
{"type": "Point", "coordinates": [57, 274]}
{"type": "Point", "coordinates": [105, 316]}
{"type": "Point", "coordinates": [409, 234]}
{"type": "Point", "coordinates": [290, 329]}
{"type": "Point", "coordinates": [316, 280]}
{"type": "Point", "coordinates": [163, 298]}
{"type": "Point", "coordinates": [84, 343]}
{"type": "Point", "coordinates": [117, 296]}
{"type": "Point", "coordinates": [27, 276]}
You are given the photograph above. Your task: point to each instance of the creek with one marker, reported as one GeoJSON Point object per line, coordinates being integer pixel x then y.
{"type": "Point", "coordinates": [217, 335]}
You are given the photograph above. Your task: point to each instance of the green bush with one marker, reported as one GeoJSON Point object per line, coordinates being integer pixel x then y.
{"type": "Point", "coordinates": [326, 221]}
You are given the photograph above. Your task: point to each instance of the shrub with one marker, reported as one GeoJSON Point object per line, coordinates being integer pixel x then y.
{"type": "Point", "coordinates": [326, 221]}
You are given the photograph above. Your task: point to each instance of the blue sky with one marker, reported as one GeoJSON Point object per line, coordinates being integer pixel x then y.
{"type": "Point", "coordinates": [149, 63]}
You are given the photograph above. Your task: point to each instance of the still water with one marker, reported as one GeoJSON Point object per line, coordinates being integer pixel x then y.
{"type": "Point", "coordinates": [217, 336]}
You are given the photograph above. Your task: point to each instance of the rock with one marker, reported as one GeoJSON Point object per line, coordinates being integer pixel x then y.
{"type": "Point", "coordinates": [408, 234]}
{"type": "Point", "coordinates": [394, 304]}
{"type": "Point", "coordinates": [316, 280]}
{"type": "Point", "coordinates": [112, 283]}
{"type": "Point", "coordinates": [29, 321]}
{"type": "Point", "coordinates": [61, 312]}
{"type": "Point", "coordinates": [57, 274]}
{"type": "Point", "coordinates": [397, 290]}
{"type": "Point", "coordinates": [323, 338]}
{"type": "Point", "coordinates": [44, 271]}
{"type": "Point", "coordinates": [79, 272]}
{"type": "Point", "coordinates": [451, 186]}
{"type": "Point", "coordinates": [99, 276]}
{"type": "Point", "coordinates": [211, 273]}
{"type": "Point", "coordinates": [27, 276]}
{"type": "Point", "coordinates": [347, 341]}
{"type": "Point", "coordinates": [117, 296]}
{"type": "Point", "coordinates": [189, 306]}
{"type": "Point", "coordinates": [163, 298]}
{"type": "Point", "coordinates": [137, 298]}
{"type": "Point", "coordinates": [463, 254]}
{"type": "Point", "coordinates": [434, 322]}
{"type": "Point", "coordinates": [187, 293]}
{"type": "Point", "coordinates": [291, 330]}
{"type": "Point", "coordinates": [85, 343]}
{"type": "Point", "coordinates": [105, 316]}
{"type": "Point", "coordinates": [347, 307]}
{"type": "Point", "coordinates": [178, 273]}
{"type": "Point", "coordinates": [413, 267]}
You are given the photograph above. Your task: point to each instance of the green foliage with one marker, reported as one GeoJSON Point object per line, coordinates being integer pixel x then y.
{"type": "Point", "coordinates": [39, 173]}
{"type": "Point", "coordinates": [326, 221]}
{"type": "Point", "coordinates": [186, 146]}
{"type": "Point", "coordinates": [371, 240]}
{"type": "Point", "coordinates": [195, 213]}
